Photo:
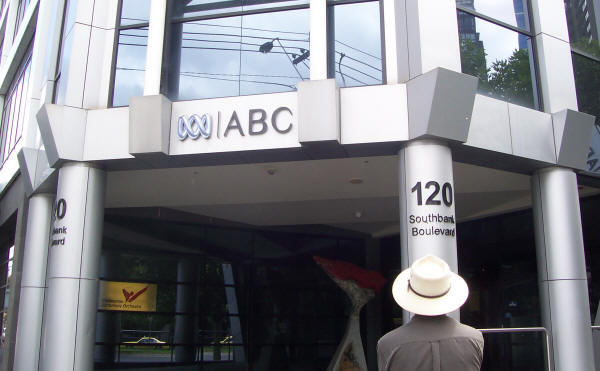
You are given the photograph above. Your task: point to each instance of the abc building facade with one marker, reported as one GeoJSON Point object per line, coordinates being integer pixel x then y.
{"type": "Point", "coordinates": [170, 169]}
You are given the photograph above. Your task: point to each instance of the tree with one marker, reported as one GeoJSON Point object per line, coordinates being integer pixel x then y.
{"type": "Point", "coordinates": [510, 79]}
{"type": "Point", "coordinates": [507, 79]}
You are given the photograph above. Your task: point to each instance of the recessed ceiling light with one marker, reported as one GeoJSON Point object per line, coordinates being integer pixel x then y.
{"type": "Point", "coordinates": [355, 180]}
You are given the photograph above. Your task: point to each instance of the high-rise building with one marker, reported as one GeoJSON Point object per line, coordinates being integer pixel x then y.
{"type": "Point", "coordinates": [190, 184]}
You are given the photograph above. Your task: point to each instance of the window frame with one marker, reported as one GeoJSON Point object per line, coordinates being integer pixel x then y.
{"type": "Point", "coordinates": [536, 88]}
{"type": "Point", "coordinates": [331, 71]}
{"type": "Point", "coordinates": [165, 73]}
{"type": "Point", "coordinates": [115, 51]}
{"type": "Point", "coordinates": [15, 85]}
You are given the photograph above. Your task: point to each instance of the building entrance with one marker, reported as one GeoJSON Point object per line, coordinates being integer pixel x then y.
{"type": "Point", "coordinates": [234, 297]}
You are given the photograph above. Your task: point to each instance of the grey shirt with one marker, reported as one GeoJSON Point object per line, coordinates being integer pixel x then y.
{"type": "Point", "coordinates": [431, 344]}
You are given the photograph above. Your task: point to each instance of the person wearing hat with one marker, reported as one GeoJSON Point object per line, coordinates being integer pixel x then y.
{"type": "Point", "coordinates": [430, 341]}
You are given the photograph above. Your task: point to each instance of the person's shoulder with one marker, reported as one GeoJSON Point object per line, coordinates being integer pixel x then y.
{"type": "Point", "coordinates": [468, 331]}
{"type": "Point", "coordinates": [394, 336]}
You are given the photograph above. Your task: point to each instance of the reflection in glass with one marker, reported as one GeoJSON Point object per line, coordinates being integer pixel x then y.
{"type": "Point", "coordinates": [64, 56]}
{"type": "Point", "coordinates": [250, 54]}
{"type": "Point", "coordinates": [135, 11]}
{"type": "Point", "coordinates": [582, 20]}
{"type": "Point", "coordinates": [130, 65]}
{"type": "Point", "coordinates": [15, 108]}
{"type": "Point", "coordinates": [587, 80]}
{"type": "Point", "coordinates": [512, 12]}
{"type": "Point", "coordinates": [21, 9]}
{"type": "Point", "coordinates": [494, 55]}
{"type": "Point", "coordinates": [205, 8]}
{"type": "Point", "coordinates": [357, 60]}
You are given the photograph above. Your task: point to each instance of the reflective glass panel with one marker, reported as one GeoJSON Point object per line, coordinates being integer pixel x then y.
{"type": "Point", "coordinates": [357, 59]}
{"type": "Point", "coordinates": [587, 80]}
{"type": "Point", "coordinates": [252, 54]}
{"type": "Point", "coordinates": [64, 56]}
{"type": "Point", "coordinates": [513, 12]}
{"type": "Point", "coordinates": [130, 65]}
{"type": "Point", "coordinates": [135, 11]}
{"type": "Point", "coordinates": [202, 8]}
{"type": "Point", "coordinates": [582, 19]}
{"type": "Point", "coordinates": [15, 108]}
{"type": "Point", "coordinates": [499, 57]}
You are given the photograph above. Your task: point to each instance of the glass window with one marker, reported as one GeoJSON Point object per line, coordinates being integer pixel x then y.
{"type": "Point", "coordinates": [21, 9]}
{"type": "Point", "coordinates": [499, 54]}
{"type": "Point", "coordinates": [5, 278]}
{"type": "Point", "coordinates": [512, 12]}
{"type": "Point", "coordinates": [62, 66]}
{"type": "Point", "coordinates": [134, 12]}
{"type": "Point", "coordinates": [130, 59]}
{"type": "Point", "coordinates": [206, 8]}
{"type": "Point", "coordinates": [15, 107]}
{"type": "Point", "coordinates": [357, 57]}
{"type": "Point", "coordinates": [211, 55]}
{"type": "Point", "coordinates": [582, 20]}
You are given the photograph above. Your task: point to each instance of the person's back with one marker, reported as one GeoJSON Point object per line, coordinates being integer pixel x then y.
{"type": "Point", "coordinates": [431, 343]}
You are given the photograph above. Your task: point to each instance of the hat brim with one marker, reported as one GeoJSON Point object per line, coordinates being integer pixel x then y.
{"type": "Point", "coordinates": [410, 301]}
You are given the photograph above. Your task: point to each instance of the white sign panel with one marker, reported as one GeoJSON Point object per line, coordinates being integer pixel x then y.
{"type": "Point", "coordinates": [234, 124]}
{"type": "Point", "coordinates": [427, 202]}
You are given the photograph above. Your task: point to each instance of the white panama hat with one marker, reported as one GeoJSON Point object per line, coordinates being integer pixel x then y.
{"type": "Point", "coordinates": [429, 288]}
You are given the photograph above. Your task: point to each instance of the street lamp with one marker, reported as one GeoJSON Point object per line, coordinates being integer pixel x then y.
{"type": "Point", "coordinates": [268, 46]}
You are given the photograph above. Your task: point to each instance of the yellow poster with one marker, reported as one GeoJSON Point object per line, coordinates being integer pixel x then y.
{"type": "Point", "coordinates": [127, 296]}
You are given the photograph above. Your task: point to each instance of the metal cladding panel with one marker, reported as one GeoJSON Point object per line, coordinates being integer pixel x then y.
{"type": "Point", "coordinates": [425, 162]}
{"type": "Point", "coordinates": [35, 255]}
{"type": "Point", "coordinates": [432, 27]}
{"type": "Point", "coordinates": [440, 104]}
{"type": "Point", "coordinates": [86, 325]}
{"type": "Point", "coordinates": [94, 222]}
{"type": "Point", "coordinates": [373, 114]}
{"type": "Point", "coordinates": [556, 73]}
{"type": "Point", "coordinates": [573, 133]}
{"type": "Point", "coordinates": [60, 325]}
{"type": "Point", "coordinates": [76, 65]}
{"type": "Point", "coordinates": [490, 125]}
{"type": "Point", "coordinates": [538, 222]}
{"type": "Point", "coordinates": [27, 165]}
{"type": "Point", "coordinates": [318, 111]}
{"type": "Point", "coordinates": [149, 124]}
{"type": "Point", "coordinates": [107, 134]}
{"type": "Point", "coordinates": [99, 62]}
{"type": "Point", "coordinates": [29, 328]}
{"type": "Point", "coordinates": [532, 135]}
{"type": "Point", "coordinates": [424, 167]}
{"type": "Point", "coordinates": [396, 42]}
{"type": "Point", "coordinates": [318, 39]}
{"type": "Point", "coordinates": [549, 17]}
{"type": "Point", "coordinates": [556, 204]}
{"type": "Point", "coordinates": [571, 333]}
{"type": "Point", "coordinates": [63, 132]}
{"type": "Point", "coordinates": [75, 241]}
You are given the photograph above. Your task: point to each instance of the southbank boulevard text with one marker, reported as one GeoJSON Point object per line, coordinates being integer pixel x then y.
{"type": "Point", "coordinates": [432, 225]}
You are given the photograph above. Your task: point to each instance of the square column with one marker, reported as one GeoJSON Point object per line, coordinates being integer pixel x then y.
{"type": "Point", "coordinates": [74, 254]}
{"type": "Point", "coordinates": [561, 268]}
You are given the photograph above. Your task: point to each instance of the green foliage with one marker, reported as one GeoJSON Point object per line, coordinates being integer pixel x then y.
{"type": "Point", "coordinates": [507, 79]}
{"type": "Point", "coordinates": [510, 79]}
